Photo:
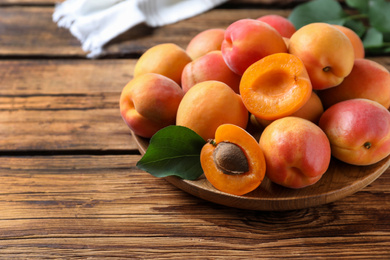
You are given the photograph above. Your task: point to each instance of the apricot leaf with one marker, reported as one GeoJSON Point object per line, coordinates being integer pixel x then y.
{"type": "Point", "coordinates": [329, 11]}
{"type": "Point", "coordinates": [173, 151]}
{"type": "Point", "coordinates": [379, 15]}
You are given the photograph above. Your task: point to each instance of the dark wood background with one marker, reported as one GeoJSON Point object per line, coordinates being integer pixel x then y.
{"type": "Point", "coordinates": [69, 187]}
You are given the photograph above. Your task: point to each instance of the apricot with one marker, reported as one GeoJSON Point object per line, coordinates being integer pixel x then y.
{"type": "Point", "coordinates": [205, 42]}
{"type": "Point", "coordinates": [247, 41]}
{"type": "Point", "coordinates": [210, 66]}
{"type": "Point", "coordinates": [368, 79]}
{"type": "Point", "coordinates": [167, 59]}
{"type": "Point", "coordinates": [149, 103]}
{"type": "Point", "coordinates": [275, 86]}
{"type": "Point", "coordinates": [357, 43]}
{"type": "Point", "coordinates": [358, 130]}
{"type": "Point", "coordinates": [233, 162]}
{"type": "Point", "coordinates": [311, 110]}
{"type": "Point", "coordinates": [297, 152]}
{"type": "Point", "coordinates": [284, 26]}
{"type": "Point", "coordinates": [327, 53]}
{"type": "Point", "coordinates": [209, 104]}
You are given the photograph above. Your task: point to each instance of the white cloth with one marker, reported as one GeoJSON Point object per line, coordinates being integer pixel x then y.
{"type": "Point", "coordinates": [96, 22]}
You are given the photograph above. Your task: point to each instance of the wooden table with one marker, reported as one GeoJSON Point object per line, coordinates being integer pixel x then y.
{"type": "Point", "coordinates": [69, 185]}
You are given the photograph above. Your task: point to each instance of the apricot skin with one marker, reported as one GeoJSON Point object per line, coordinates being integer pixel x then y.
{"type": "Point", "coordinates": [234, 184]}
{"type": "Point", "coordinates": [247, 41]}
{"type": "Point", "coordinates": [205, 42]}
{"type": "Point", "coordinates": [357, 43]}
{"type": "Point", "coordinates": [297, 152]}
{"type": "Point", "coordinates": [358, 130]}
{"type": "Point", "coordinates": [327, 53]}
{"type": "Point", "coordinates": [368, 79]}
{"type": "Point", "coordinates": [167, 59]}
{"type": "Point", "coordinates": [210, 66]}
{"type": "Point", "coordinates": [149, 103]}
{"type": "Point", "coordinates": [209, 104]}
{"type": "Point", "coordinates": [284, 26]}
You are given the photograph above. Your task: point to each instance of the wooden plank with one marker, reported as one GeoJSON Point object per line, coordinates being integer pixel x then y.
{"type": "Point", "coordinates": [24, 78]}
{"type": "Point", "coordinates": [103, 206]}
{"type": "Point", "coordinates": [42, 37]}
{"type": "Point", "coordinates": [63, 105]}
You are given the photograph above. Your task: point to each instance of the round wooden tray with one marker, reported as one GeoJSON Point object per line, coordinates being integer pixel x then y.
{"type": "Point", "coordinates": [339, 181]}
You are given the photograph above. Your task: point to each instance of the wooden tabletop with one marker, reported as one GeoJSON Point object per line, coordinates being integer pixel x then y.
{"type": "Point", "coordinates": [69, 183]}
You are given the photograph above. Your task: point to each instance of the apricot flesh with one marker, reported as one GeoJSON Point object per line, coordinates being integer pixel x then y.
{"type": "Point", "coordinates": [275, 86]}
{"type": "Point", "coordinates": [243, 182]}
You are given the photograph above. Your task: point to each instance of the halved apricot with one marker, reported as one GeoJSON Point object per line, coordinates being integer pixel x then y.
{"type": "Point", "coordinates": [275, 86]}
{"type": "Point", "coordinates": [233, 162]}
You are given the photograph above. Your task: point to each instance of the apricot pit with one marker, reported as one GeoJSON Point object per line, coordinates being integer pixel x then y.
{"type": "Point", "coordinates": [230, 159]}
{"type": "Point", "coordinates": [233, 162]}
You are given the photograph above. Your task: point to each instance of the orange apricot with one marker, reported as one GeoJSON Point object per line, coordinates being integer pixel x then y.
{"type": "Point", "coordinates": [275, 86]}
{"type": "Point", "coordinates": [205, 42]}
{"type": "Point", "coordinates": [167, 59]}
{"type": "Point", "coordinates": [327, 53]}
{"type": "Point", "coordinates": [357, 43]}
{"type": "Point", "coordinates": [233, 162]}
{"type": "Point", "coordinates": [209, 104]}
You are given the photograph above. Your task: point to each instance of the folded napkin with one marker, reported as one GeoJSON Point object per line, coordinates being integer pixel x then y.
{"type": "Point", "coordinates": [96, 22]}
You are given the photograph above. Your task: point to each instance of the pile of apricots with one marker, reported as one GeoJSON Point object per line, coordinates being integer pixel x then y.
{"type": "Point", "coordinates": [310, 92]}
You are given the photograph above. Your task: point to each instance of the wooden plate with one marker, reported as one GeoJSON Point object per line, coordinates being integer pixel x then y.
{"type": "Point", "coordinates": [339, 181]}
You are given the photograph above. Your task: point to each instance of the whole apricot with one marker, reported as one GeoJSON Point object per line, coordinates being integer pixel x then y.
{"type": "Point", "coordinates": [327, 53]}
{"type": "Point", "coordinates": [357, 43]}
{"type": "Point", "coordinates": [167, 59]}
{"type": "Point", "coordinates": [247, 41]}
{"type": "Point", "coordinates": [210, 66]}
{"type": "Point", "coordinates": [233, 162]}
{"type": "Point", "coordinates": [368, 79]}
{"type": "Point", "coordinates": [149, 103]}
{"type": "Point", "coordinates": [358, 130]}
{"type": "Point", "coordinates": [205, 42]}
{"type": "Point", "coordinates": [284, 26]}
{"type": "Point", "coordinates": [209, 104]}
{"type": "Point", "coordinates": [297, 152]}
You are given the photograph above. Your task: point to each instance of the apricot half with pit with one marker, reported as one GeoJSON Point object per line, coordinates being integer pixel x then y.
{"type": "Point", "coordinates": [233, 162]}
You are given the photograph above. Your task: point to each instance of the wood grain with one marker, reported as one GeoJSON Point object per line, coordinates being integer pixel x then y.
{"type": "Point", "coordinates": [69, 185]}
{"type": "Point", "coordinates": [42, 37]}
{"type": "Point", "coordinates": [71, 109]}
{"type": "Point", "coordinates": [102, 206]}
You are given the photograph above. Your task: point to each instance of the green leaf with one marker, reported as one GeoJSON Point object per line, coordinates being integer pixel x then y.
{"type": "Point", "coordinates": [379, 15]}
{"type": "Point", "coordinates": [173, 151]}
{"type": "Point", "coordinates": [372, 38]}
{"type": "Point", "coordinates": [361, 5]}
{"type": "Point", "coordinates": [328, 11]}
{"type": "Point", "coordinates": [356, 26]}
